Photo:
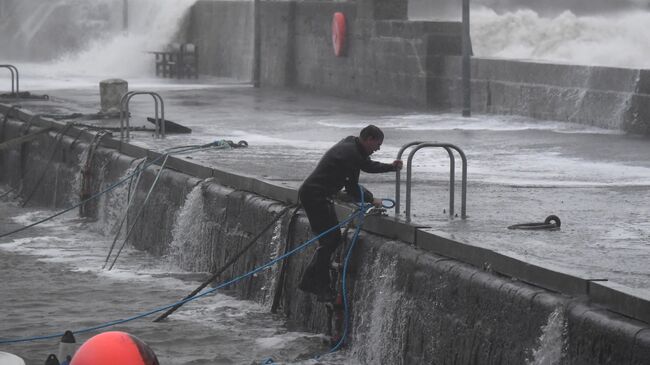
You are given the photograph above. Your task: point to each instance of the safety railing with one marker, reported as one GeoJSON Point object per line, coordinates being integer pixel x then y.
{"type": "Point", "coordinates": [15, 80]}
{"type": "Point", "coordinates": [452, 176]}
{"type": "Point", "coordinates": [125, 115]}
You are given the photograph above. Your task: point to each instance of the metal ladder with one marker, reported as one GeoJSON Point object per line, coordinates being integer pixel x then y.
{"type": "Point", "coordinates": [452, 176]}
{"type": "Point", "coordinates": [14, 76]}
{"type": "Point", "coordinates": [125, 116]}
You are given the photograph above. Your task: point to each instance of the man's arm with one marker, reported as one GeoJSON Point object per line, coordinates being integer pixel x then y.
{"type": "Point", "coordinates": [374, 167]}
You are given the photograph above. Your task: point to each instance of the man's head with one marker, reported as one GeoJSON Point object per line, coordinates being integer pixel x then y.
{"type": "Point", "coordinates": [371, 138]}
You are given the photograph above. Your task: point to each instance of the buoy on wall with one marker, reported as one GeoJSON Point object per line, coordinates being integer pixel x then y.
{"type": "Point", "coordinates": [338, 33]}
{"type": "Point", "coordinates": [111, 348]}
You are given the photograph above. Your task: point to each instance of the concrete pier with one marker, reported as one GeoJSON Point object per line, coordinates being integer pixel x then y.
{"type": "Point", "coordinates": [442, 301]}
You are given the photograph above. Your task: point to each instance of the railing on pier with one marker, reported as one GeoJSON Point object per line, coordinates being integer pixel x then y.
{"type": "Point", "coordinates": [452, 167]}
{"type": "Point", "coordinates": [125, 115]}
{"type": "Point", "coordinates": [15, 80]}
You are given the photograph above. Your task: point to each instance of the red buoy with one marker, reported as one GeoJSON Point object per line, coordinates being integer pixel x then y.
{"type": "Point", "coordinates": [338, 33]}
{"type": "Point", "coordinates": [111, 348]}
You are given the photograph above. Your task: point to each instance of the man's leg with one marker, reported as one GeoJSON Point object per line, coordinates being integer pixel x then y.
{"type": "Point", "coordinates": [316, 277]}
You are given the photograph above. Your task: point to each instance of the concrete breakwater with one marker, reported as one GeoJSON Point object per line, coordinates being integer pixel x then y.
{"type": "Point", "coordinates": [409, 304]}
{"type": "Point", "coordinates": [389, 59]}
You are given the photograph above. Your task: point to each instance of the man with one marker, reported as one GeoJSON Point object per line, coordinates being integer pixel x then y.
{"type": "Point", "coordinates": [338, 168]}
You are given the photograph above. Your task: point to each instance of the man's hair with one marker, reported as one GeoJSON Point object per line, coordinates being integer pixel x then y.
{"type": "Point", "coordinates": [371, 131]}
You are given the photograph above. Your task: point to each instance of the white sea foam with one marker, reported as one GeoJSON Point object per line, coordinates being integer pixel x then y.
{"type": "Point", "coordinates": [443, 122]}
{"type": "Point", "coordinates": [602, 40]}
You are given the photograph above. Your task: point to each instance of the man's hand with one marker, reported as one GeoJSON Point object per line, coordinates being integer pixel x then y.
{"type": "Point", "coordinates": [397, 164]}
{"type": "Point", "coordinates": [376, 202]}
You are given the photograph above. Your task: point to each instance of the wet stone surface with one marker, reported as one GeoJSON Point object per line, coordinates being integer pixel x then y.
{"type": "Point", "coordinates": [519, 170]}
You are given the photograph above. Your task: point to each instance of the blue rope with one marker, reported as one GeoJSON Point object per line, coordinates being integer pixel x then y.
{"type": "Point", "coordinates": [346, 308]}
{"type": "Point", "coordinates": [160, 309]}
{"type": "Point", "coordinates": [115, 185]}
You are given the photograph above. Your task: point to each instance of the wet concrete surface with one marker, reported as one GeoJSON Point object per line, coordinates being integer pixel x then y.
{"type": "Point", "coordinates": [520, 170]}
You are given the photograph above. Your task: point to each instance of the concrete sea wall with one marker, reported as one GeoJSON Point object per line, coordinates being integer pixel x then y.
{"type": "Point", "coordinates": [416, 297]}
{"type": "Point", "coordinates": [389, 59]}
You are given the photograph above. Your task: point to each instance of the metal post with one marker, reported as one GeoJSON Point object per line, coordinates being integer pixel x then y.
{"type": "Point", "coordinates": [398, 181]}
{"type": "Point", "coordinates": [257, 43]}
{"type": "Point", "coordinates": [467, 93]}
{"type": "Point", "coordinates": [125, 15]}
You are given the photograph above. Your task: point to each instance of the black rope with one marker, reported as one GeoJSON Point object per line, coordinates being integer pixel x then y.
{"type": "Point", "coordinates": [140, 212]}
{"type": "Point", "coordinates": [128, 207]}
{"type": "Point", "coordinates": [225, 266]}
{"type": "Point", "coordinates": [86, 170]}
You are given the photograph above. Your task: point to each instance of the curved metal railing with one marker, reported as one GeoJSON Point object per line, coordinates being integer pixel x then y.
{"type": "Point", "coordinates": [452, 167]}
{"type": "Point", "coordinates": [125, 115]}
{"type": "Point", "coordinates": [14, 76]}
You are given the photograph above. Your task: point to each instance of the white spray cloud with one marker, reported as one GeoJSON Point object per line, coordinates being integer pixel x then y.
{"type": "Point", "coordinates": [602, 40]}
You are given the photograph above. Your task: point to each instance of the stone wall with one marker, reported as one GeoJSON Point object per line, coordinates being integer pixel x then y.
{"type": "Point", "coordinates": [384, 60]}
{"type": "Point", "coordinates": [415, 64]}
{"type": "Point", "coordinates": [605, 97]}
{"type": "Point", "coordinates": [223, 33]}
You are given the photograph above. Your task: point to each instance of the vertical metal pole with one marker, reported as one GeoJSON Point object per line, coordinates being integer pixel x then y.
{"type": "Point", "coordinates": [467, 92]}
{"type": "Point", "coordinates": [257, 43]}
{"type": "Point", "coordinates": [125, 15]}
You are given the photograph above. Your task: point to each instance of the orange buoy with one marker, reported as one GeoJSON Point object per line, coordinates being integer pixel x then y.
{"type": "Point", "coordinates": [338, 33]}
{"type": "Point", "coordinates": [110, 348]}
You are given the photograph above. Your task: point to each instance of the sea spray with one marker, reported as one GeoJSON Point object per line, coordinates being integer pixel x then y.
{"type": "Point", "coordinates": [87, 37]}
{"type": "Point", "coordinates": [597, 40]}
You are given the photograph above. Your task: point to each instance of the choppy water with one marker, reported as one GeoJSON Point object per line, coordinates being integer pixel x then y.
{"type": "Point", "coordinates": [52, 281]}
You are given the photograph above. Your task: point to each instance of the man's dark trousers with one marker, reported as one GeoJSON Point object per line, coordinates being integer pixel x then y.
{"type": "Point", "coordinates": [321, 214]}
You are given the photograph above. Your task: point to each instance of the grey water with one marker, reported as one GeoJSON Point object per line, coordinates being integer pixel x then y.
{"type": "Point", "coordinates": [52, 280]}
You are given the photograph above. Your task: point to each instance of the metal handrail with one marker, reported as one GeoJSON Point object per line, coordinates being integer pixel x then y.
{"type": "Point", "coordinates": [452, 177]}
{"type": "Point", "coordinates": [398, 177]}
{"type": "Point", "coordinates": [124, 113]}
{"type": "Point", "coordinates": [448, 147]}
{"type": "Point", "coordinates": [14, 74]}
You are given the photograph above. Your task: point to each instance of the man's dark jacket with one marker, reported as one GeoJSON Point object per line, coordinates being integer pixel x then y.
{"type": "Point", "coordinates": [339, 168]}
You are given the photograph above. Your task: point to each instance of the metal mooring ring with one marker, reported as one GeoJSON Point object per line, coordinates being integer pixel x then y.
{"type": "Point", "coordinates": [552, 222]}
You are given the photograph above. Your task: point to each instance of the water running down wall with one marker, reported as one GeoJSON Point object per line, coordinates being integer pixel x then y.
{"type": "Point", "coordinates": [409, 306]}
